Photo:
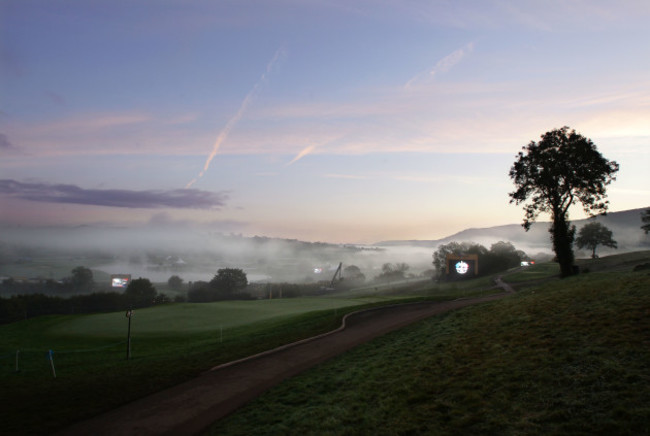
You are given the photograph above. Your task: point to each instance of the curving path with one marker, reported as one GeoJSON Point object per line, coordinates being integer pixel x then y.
{"type": "Point", "coordinates": [191, 407]}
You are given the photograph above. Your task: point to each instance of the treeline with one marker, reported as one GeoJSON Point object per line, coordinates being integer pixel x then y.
{"type": "Point", "coordinates": [498, 258]}
{"type": "Point", "coordinates": [19, 307]}
{"type": "Point", "coordinates": [30, 299]}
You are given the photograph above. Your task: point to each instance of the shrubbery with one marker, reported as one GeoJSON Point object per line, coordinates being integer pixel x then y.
{"type": "Point", "coordinates": [227, 284]}
{"type": "Point", "coordinates": [18, 307]}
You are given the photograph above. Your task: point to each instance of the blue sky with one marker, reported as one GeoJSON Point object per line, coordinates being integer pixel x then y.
{"type": "Point", "coordinates": [338, 121]}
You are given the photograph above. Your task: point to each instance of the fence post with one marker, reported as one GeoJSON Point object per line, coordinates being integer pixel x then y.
{"type": "Point", "coordinates": [129, 315]}
{"type": "Point", "coordinates": [52, 363]}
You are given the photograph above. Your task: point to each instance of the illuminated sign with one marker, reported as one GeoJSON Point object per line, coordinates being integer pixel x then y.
{"type": "Point", "coordinates": [120, 280]}
{"type": "Point", "coordinates": [461, 266]}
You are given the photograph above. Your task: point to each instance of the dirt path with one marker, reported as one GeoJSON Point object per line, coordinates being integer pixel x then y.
{"type": "Point", "coordinates": [191, 407]}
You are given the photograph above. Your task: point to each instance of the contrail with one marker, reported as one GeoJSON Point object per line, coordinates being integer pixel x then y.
{"type": "Point", "coordinates": [309, 149]}
{"type": "Point", "coordinates": [304, 152]}
{"type": "Point", "coordinates": [235, 119]}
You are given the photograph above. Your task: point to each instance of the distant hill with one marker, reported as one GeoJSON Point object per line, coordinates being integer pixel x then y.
{"type": "Point", "coordinates": [625, 225]}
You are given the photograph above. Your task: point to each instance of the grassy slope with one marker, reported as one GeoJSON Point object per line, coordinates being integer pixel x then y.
{"type": "Point", "coordinates": [170, 344]}
{"type": "Point", "coordinates": [569, 357]}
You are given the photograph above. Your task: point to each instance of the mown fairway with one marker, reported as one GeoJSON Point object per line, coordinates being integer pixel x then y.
{"type": "Point", "coordinates": [170, 343]}
{"type": "Point", "coordinates": [570, 357]}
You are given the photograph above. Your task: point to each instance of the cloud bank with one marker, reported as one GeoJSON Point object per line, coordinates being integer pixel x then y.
{"type": "Point", "coordinates": [151, 199]}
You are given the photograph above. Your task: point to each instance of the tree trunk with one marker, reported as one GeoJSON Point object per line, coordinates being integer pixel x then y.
{"type": "Point", "coordinates": [562, 236]}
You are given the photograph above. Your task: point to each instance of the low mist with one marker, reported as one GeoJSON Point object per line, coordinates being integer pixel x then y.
{"type": "Point", "coordinates": [196, 253]}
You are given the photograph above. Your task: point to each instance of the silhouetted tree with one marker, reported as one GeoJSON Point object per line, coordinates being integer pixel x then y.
{"type": "Point", "coordinates": [175, 282]}
{"type": "Point", "coordinates": [500, 257]}
{"type": "Point", "coordinates": [458, 249]}
{"type": "Point", "coordinates": [82, 279]}
{"type": "Point", "coordinates": [228, 281]}
{"type": "Point", "coordinates": [140, 292]}
{"type": "Point", "coordinates": [440, 255]}
{"type": "Point", "coordinates": [200, 292]}
{"type": "Point", "coordinates": [353, 275]}
{"type": "Point", "coordinates": [551, 175]}
{"type": "Point", "coordinates": [591, 235]}
{"type": "Point", "coordinates": [393, 272]}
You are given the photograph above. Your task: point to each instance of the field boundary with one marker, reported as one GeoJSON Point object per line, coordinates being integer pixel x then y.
{"type": "Point", "coordinates": [312, 338]}
{"type": "Point", "coordinates": [499, 282]}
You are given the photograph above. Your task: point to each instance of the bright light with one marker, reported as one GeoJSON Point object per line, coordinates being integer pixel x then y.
{"type": "Point", "coordinates": [120, 280]}
{"type": "Point", "coordinates": [462, 267]}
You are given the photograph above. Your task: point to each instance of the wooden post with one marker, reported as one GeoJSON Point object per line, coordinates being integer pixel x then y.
{"type": "Point", "coordinates": [129, 314]}
{"type": "Point", "coordinates": [52, 363]}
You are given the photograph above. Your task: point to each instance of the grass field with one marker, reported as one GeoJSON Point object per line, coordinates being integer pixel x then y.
{"type": "Point", "coordinates": [570, 357]}
{"type": "Point", "coordinates": [172, 343]}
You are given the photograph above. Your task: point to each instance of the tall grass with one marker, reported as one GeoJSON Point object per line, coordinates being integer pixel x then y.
{"type": "Point", "coordinates": [571, 357]}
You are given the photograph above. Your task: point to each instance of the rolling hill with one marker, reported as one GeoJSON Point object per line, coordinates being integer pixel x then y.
{"type": "Point", "coordinates": [625, 225]}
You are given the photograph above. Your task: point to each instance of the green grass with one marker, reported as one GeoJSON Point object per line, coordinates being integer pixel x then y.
{"type": "Point", "coordinates": [570, 357]}
{"type": "Point", "coordinates": [173, 343]}
{"type": "Point", "coordinates": [533, 273]}
{"type": "Point", "coordinates": [170, 344]}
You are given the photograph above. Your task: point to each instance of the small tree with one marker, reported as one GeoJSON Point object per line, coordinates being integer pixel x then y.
{"type": "Point", "coordinates": [393, 272]}
{"type": "Point", "coordinates": [82, 279]}
{"type": "Point", "coordinates": [200, 292]}
{"type": "Point", "coordinates": [140, 292]}
{"type": "Point", "coordinates": [175, 282]}
{"type": "Point", "coordinates": [228, 281]}
{"type": "Point", "coordinates": [592, 235]}
{"type": "Point", "coordinates": [553, 174]}
{"type": "Point", "coordinates": [353, 275]}
{"type": "Point", "coordinates": [645, 218]}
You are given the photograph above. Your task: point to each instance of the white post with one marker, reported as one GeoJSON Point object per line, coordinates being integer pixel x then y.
{"type": "Point", "coordinates": [52, 363]}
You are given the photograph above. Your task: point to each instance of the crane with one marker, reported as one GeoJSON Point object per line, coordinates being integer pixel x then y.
{"type": "Point", "coordinates": [336, 273]}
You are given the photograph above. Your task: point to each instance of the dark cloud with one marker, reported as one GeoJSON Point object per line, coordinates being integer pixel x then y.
{"type": "Point", "coordinates": [154, 199]}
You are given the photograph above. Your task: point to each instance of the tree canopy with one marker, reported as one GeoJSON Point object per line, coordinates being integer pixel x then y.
{"type": "Point", "coordinates": [353, 275]}
{"type": "Point", "coordinates": [500, 257]}
{"type": "Point", "coordinates": [227, 281]}
{"type": "Point", "coordinates": [562, 169]}
{"type": "Point", "coordinates": [175, 282]}
{"type": "Point", "coordinates": [591, 235]}
{"type": "Point", "coordinates": [82, 279]}
{"type": "Point", "coordinates": [392, 272]}
{"type": "Point", "coordinates": [141, 292]}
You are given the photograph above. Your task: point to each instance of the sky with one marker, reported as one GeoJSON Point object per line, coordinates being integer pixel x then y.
{"type": "Point", "coordinates": [346, 121]}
